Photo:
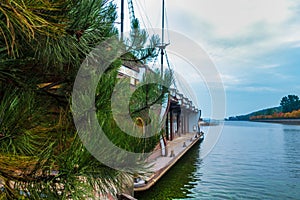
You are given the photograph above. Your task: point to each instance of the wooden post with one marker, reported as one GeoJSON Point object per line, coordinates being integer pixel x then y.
{"type": "Point", "coordinates": [178, 123]}
{"type": "Point", "coordinates": [167, 126]}
{"type": "Point", "coordinates": [171, 124]}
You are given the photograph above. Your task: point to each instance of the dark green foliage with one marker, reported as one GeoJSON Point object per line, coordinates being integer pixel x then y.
{"type": "Point", "coordinates": [19, 115]}
{"type": "Point", "coordinates": [51, 53]}
{"type": "Point", "coordinates": [143, 98]}
{"type": "Point", "coordinates": [139, 47]}
{"type": "Point", "coordinates": [42, 45]}
{"type": "Point", "coordinates": [152, 92]}
{"type": "Point", "coordinates": [290, 103]}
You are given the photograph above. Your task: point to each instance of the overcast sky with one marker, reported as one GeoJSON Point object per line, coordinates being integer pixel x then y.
{"type": "Point", "coordinates": [254, 44]}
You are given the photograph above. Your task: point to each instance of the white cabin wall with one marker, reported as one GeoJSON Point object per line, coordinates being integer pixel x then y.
{"type": "Point", "coordinates": [193, 121]}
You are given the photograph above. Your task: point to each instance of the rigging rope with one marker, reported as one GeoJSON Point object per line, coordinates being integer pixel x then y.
{"type": "Point", "coordinates": [181, 85]}
{"type": "Point", "coordinates": [144, 12]}
{"type": "Point", "coordinates": [169, 66]}
{"type": "Point", "coordinates": [178, 83]}
{"type": "Point", "coordinates": [167, 24]}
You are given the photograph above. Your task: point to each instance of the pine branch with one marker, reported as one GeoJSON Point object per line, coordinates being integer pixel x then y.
{"type": "Point", "coordinates": [147, 106]}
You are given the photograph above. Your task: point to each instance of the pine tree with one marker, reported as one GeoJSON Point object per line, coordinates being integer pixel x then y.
{"type": "Point", "coordinates": [290, 103]}
{"type": "Point", "coordinates": [42, 46]}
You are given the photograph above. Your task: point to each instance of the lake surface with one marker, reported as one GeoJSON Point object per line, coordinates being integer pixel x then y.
{"type": "Point", "coordinates": [250, 161]}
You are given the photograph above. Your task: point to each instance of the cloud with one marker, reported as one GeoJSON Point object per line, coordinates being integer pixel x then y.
{"type": "Point", "coordinates": [253, 43]}
{"type": "Point", "coordinates": [269, 66]}
{"type": "Point", "coordinates": [255, 89]}
{"type": "Point", "coordinates": [239, 28]}
{"type": "Point", "coordinates": [229, 80]}
{"type": "Point", "coordinates": [234, 17]}
{"type": "Point", "coordinates": [239, 31]}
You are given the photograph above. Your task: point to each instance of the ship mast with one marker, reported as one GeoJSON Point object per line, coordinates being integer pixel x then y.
{"type": "Point", "coordinates": [122, 19]}
{"type": "Point", "coordinates": [162, 39]}
{"type": "Point", "coordinates": [162, 46]}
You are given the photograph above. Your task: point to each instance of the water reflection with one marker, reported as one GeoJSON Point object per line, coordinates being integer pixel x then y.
{"type": "Point", "coordinates": [291, 147]}
{"type": "Point", "coordinates": [250, 162]}
{"type": "Point", "coordinates": [178, 182]}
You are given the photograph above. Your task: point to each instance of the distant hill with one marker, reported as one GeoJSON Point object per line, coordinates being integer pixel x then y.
{"type": "Point", "coordinates": [267, 111]}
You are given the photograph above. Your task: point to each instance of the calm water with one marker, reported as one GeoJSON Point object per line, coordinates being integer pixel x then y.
{"type": "Point", "coordinates": [250, 161]}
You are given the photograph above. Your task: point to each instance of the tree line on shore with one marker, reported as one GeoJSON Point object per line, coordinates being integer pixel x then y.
{"type": "Point", "coordinates": [289, 109]}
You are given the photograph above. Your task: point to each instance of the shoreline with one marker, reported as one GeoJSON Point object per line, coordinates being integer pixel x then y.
{"type": "Point", "coordinates": [279, 121]}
